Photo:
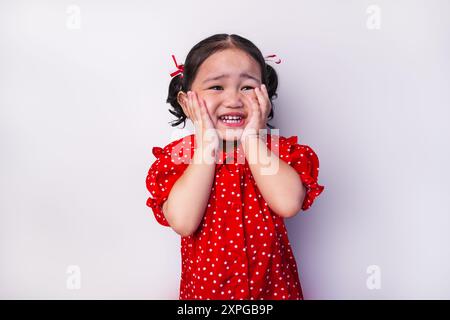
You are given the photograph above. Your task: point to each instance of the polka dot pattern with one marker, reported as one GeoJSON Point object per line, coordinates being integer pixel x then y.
{"type": "Point", "coordinates": [241, 248]}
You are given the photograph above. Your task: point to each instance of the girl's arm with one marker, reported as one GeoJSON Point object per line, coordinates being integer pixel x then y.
{"type": "Point", "coordinates": [282, 189]}
{"type": "Point", "coordinates": [187, 201]}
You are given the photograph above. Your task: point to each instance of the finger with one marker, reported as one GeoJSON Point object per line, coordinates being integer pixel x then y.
{"type": "Point", "coordinates": [208, 115]}
{"type": "Point", "coordinates": [254, 104]}
{"type": "Point", "coordinates": [187, 107]}
{"type": "Point", "coordinates": [266, 95]}
{"type": "Point", "coordinates": [250, 101]}
{"type": "Point", "coordinates": [261, 99]}
{"type": "Point", "coordinates": [205, 115]}
{"type": "Point", "coordinates": [264, 91]}
{"type": "Point", "coordinates": [203, 111]}
{"type": "Point", "coordinates": [196, 105]}
{"type": "Point", "coordinates": [192, 108]}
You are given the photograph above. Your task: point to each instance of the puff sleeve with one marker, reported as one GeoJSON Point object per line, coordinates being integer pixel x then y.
{"type": "Point", "coordinates": [161, 177]}
{"type": "Point", "coordinates": [305, 161]}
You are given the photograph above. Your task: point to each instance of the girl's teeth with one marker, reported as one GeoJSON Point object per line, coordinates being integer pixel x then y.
{"type": "Point", "coordinates": [231, 121]}
{"type": "Point", "coordinates": [231, 118]}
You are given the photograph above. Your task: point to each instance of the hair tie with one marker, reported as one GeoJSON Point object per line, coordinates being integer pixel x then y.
{"type": "Point", "coordinates": [180, 68]}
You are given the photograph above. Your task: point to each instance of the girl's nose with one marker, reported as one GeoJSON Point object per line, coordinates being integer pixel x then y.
{"type": "Point", "coordinates": [234, 99]}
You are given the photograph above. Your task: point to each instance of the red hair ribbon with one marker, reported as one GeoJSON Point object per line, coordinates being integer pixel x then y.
{"type": "Point", "coordinates": [179, 67]}
{"type": "Point", "coordinates": [270, 56]}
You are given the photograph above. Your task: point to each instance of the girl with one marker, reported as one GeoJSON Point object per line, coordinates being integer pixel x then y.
{"type": "Point", "coordinates": [214, 187]}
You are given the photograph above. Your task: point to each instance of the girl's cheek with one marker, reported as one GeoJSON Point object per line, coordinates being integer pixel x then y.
{"type": "Point", "coordinates": [209, 105]}
{"type": "Point", "coordinates": [205, 97]}
{"type": "Point", "coordinates": [207, 102]}
{"type": "Point", "coordinates": [250, 94]}
{"type": "Point", "coordinates": [212, 112]}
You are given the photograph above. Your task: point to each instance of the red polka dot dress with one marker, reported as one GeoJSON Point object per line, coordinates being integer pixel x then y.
{"type": "Point", "coordinates": [241, 248]}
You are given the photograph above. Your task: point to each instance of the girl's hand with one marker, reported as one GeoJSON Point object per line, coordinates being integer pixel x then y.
{"type": "Point", "coordinates": [259, 111]}
{"type": "Point", "coordinates": [205, 131]}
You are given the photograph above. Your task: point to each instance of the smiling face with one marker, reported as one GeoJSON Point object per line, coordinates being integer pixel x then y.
{"type": "Point", "coordinates": [222, 80]}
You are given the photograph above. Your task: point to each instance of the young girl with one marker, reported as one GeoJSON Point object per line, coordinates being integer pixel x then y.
{"type": "Point", "coordinates": [214, 187]}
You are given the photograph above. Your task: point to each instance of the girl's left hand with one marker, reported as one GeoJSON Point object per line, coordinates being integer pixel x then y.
{"type": "Point", "coordinates": [259, 111]}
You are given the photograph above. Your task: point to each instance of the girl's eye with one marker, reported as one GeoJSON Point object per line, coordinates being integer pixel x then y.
{"type": "Point", "coordinates": [221, 87]}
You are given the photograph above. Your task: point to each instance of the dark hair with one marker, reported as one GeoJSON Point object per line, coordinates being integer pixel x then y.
{"type": "Point", "coordinates": [200, 52]}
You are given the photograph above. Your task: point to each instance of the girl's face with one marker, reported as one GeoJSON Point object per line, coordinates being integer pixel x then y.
{"type": "Point", "coordinates": [222, 80]}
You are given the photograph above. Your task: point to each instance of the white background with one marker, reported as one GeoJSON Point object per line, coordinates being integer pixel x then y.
{"type": "Point", "coordinates": [80, 110]}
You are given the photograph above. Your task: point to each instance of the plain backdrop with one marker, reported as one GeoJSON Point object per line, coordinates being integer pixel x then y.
{"type": "Point", "coordinates": [82, 102]}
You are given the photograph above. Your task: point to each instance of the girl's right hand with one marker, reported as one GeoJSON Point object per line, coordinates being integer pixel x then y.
{"type": "Point", "coordinates": [205, 132]}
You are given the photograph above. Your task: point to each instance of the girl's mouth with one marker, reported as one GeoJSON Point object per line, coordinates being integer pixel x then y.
{"type": "Point", "coordinates": [232, 121]}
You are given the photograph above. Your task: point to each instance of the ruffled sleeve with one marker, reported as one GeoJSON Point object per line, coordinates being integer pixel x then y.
{"type": "Point", "coordinates": [161, 177]}
{"type": "Point", "coordinates": [305, 161]}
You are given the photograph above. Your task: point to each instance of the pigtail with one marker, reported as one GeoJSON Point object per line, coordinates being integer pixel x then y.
{"type": "Point", "coordinates": [176, 85]}
{"type": "Point", "coordinates": [272, 86]}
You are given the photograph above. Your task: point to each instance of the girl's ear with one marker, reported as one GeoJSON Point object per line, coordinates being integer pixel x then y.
{"type": "Point", "coordinates": [182, 101]}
